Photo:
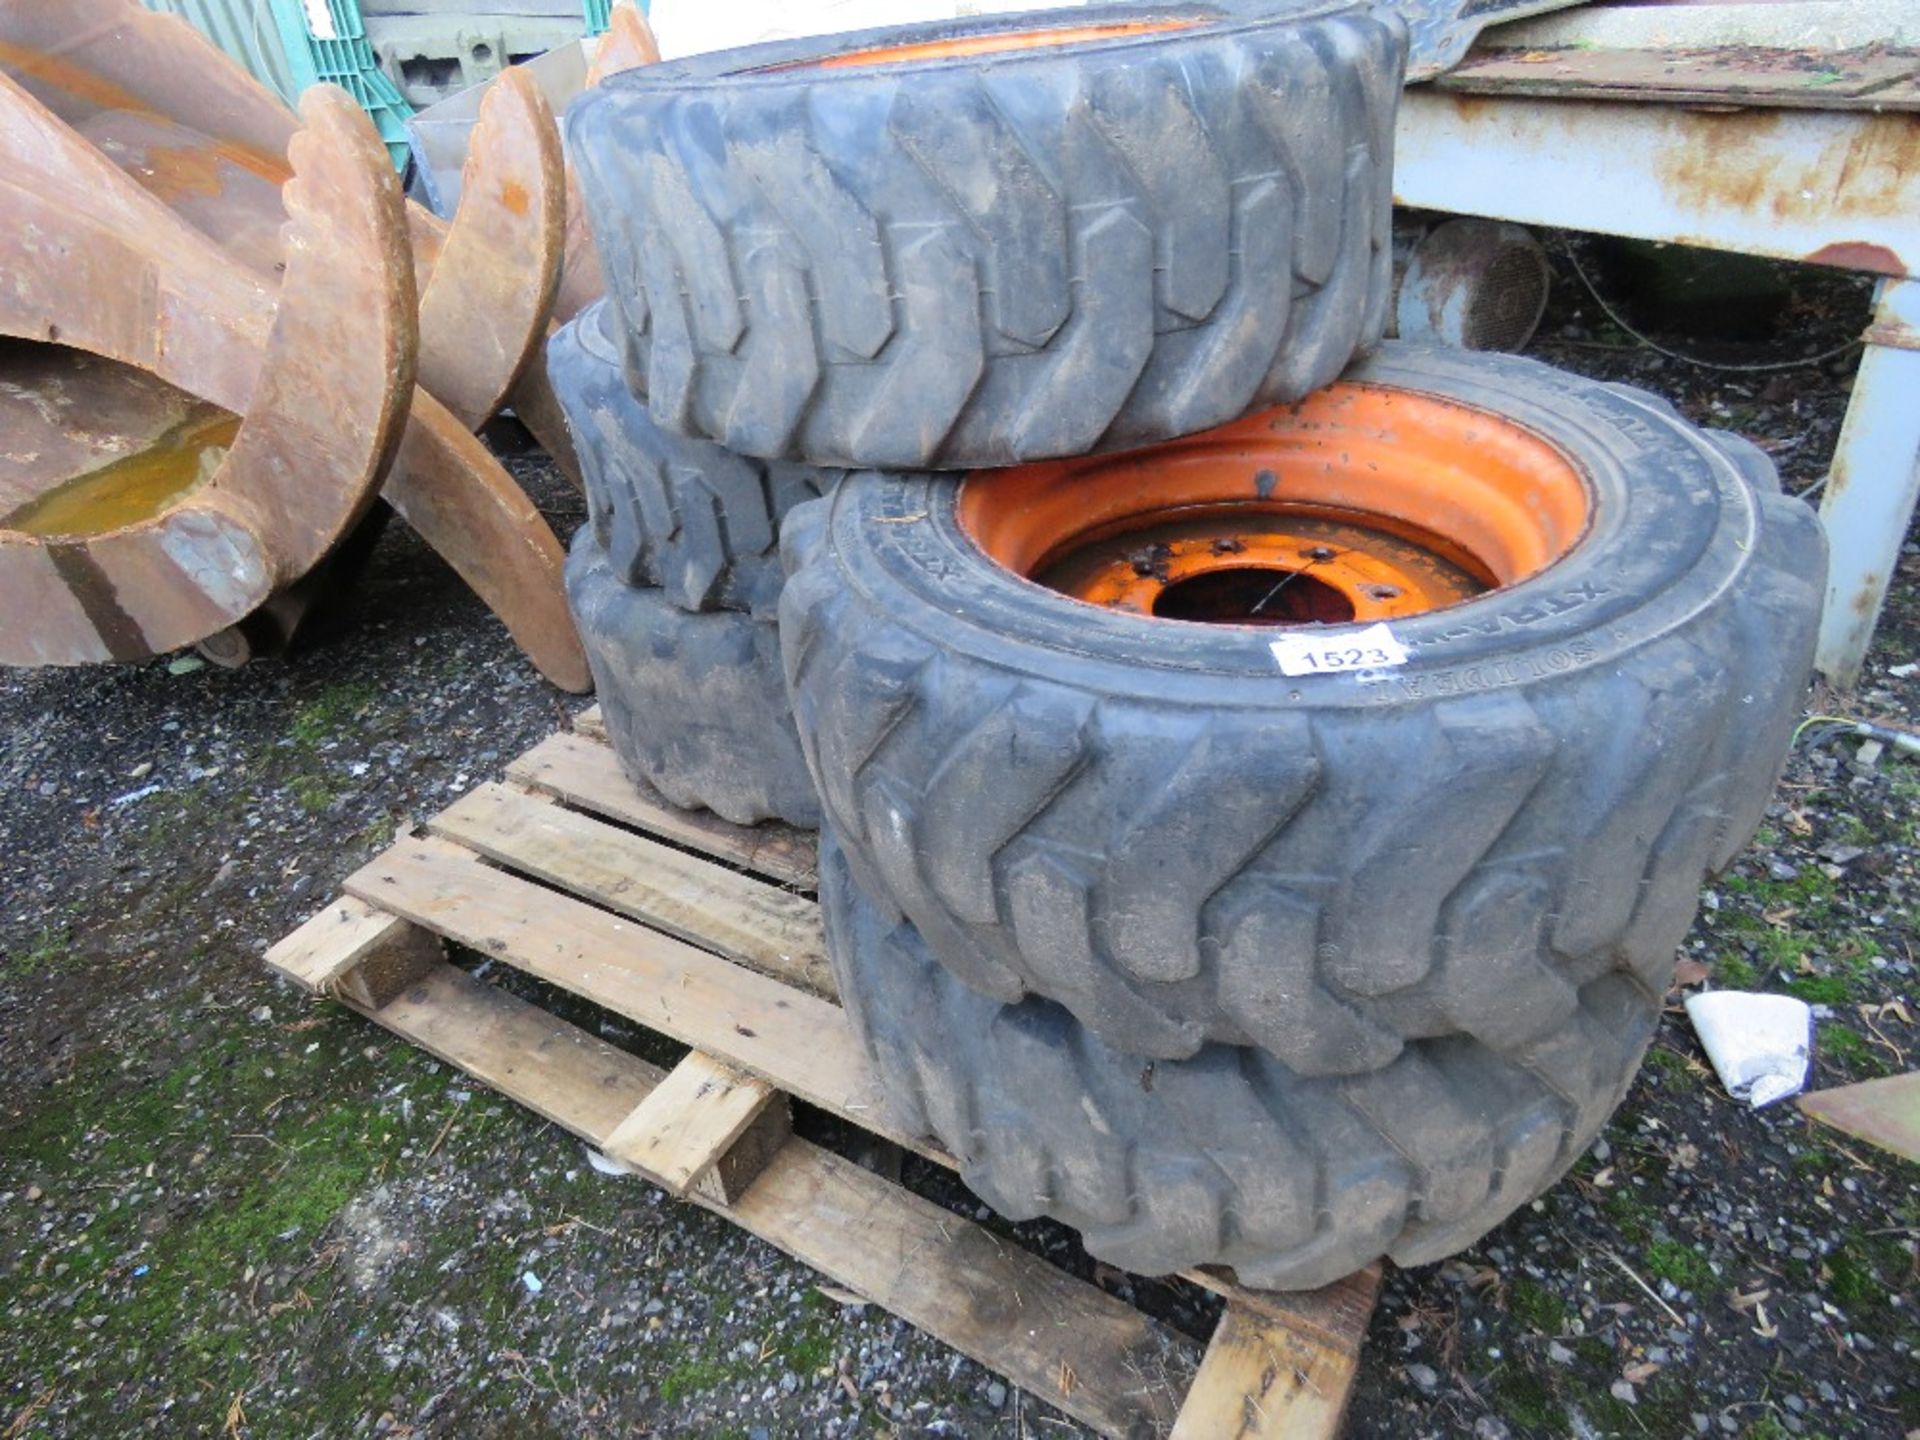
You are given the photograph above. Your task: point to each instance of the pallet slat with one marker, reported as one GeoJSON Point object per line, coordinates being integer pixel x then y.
{"type": "Point", "coordinates": [582, 771]}
{"type": "Point", "coordinates": [1261, 1380]}
{"type": "Point", "coordinates": [631, 970]}
{"type": "Point", "coordinates": [796, 1041]}
{"type": "Point", "coordinates": [334, 940]}
{"type": "Point", "coordinates": [772, 930]}
{"type": "Point", "coordinates": [1061, 1339]}
{"type": "Point", "coordinates": [1095, 1357]}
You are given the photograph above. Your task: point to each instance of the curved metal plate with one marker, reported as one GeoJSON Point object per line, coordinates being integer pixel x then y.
{"type": "Point", "coordinates": [320, 377]}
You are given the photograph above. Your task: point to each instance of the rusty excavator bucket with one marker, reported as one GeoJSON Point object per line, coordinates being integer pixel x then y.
{"type": "Point", "coordinates": [119, 565]}
{"type": "Point", "coordinates": [190, 134]}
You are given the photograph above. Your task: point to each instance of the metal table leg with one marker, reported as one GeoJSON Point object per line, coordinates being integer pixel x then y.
{"type": "Point", "coordinates": [1874, 482]}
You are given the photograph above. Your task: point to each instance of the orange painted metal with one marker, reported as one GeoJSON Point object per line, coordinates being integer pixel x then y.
{"type": "Point", "coordinates": [960, 47]}
{"type": "Point", "coordinates": [1382, 502]}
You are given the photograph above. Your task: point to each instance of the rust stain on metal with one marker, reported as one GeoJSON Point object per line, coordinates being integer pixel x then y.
{"type": "Point", "coordinates": [1858, 255]}
{"type": "Point", "coordinates": [140, 563]}
{"type": "Point", "coordinates": [125, 94]}
{"type": "Point", "coordinates": [77, 80]}
{"type": "Point", "coordinates": [195, 169]}
{"type": "Point", "coordinates": [1869, 171]}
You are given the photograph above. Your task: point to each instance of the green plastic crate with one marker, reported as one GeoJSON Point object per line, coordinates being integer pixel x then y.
{"type": "Point", "coordinates": [345, 59]}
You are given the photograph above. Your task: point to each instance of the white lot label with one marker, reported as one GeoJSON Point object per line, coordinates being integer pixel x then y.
{"type": "Point", "coordinates": [1373, 648]}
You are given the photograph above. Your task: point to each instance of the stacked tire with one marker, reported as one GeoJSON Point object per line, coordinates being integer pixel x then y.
{"type": "Point", "coordinates": [674, 583]}
{"type": "Point", "coordinates": [1264, 776]}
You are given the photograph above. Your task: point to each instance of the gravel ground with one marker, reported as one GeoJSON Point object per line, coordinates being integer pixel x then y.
{"type": "Point", "coordinates": [227, 1209]}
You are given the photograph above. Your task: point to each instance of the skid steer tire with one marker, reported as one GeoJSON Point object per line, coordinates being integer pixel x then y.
{"type": "Point", "coordinates": [949, 258]}
{"type": "Point", "coordinates": [693, 703]}
{"type": "Point", "coordinates": [700, 522]}
{"type": "Point", "coordinates": [1146, 821]}
{"type": "Point", "coordinates": [1229, 1157]}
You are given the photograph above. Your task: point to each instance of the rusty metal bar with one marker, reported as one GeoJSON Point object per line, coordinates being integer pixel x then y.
{"type": "Point", "coordinates": [1833, 188]}
{"type": "Point", "coordinates": [1874, 482]}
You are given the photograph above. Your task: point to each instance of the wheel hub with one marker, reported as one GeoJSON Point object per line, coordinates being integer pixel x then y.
{"type": "Point", "coordinates": [1362, 503]}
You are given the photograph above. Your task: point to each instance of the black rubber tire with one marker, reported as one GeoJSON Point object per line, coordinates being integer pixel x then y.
{"type": "Point", "coordinates": [1145, 821]}
{"type": "Point", "coordinates": [693, 703]}
{"type": "Point", "coordinates": [698, 521]}
{"type": "Point", "coordinates": [959, 262]}
{"type": "Point", "coordinates": [1227, 1158]}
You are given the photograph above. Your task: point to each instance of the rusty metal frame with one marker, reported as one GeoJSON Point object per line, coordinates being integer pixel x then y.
{"type": "Point", "coordinates": [1838, 188]}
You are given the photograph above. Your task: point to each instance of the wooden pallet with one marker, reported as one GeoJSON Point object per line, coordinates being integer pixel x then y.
{"type": "Point", "coordinates": [705, 932]}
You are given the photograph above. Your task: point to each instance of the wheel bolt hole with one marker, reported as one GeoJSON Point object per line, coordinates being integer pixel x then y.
{"type": "Point", "coordinates": [1382, 592]}
{"type": "Point", "coordinates": [1319, 553]}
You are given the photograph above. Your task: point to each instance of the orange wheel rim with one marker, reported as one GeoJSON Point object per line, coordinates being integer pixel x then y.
{"type": "Point", "coordinates": [959, 47]}
{"type": "Point", "coordinates": [1364, 502]}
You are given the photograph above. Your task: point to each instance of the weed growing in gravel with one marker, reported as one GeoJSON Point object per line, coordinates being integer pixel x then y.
{"type": "Point", "coordinates": [1537, 1307]}
{"type": "Point", "coordinates": [1864, 1273]}
{"type": "Point", "coordinates": [52, 950]}
{"type": "Point", "coordinates": [1821, 989]}
{"type": "Point", "coordinates": [1528, 1401]}
{"type": "Point", "coordinates": [324, 717]}
{"type": "Point", "coordinates": [692, 1376]}
{"type": "Point", "coordinates": [1672, 1068]}
{"type": "Point", "coordinates": [313, 793]}
{"type": "Point", "coordinates": [1682, 1265]}
{"type": "Point", "coordinates": [1845, 1048]}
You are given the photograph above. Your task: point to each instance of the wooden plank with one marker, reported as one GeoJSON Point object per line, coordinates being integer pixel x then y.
{"type": "Point", "coordinates": [799, 1042]}
{"type": "Point", "coordinates": [1335, 1316]}
{"type": "Point", "coordinates": [554, 1068]}
{"type": "Point", "coordinates": [691, 1119]}
{"type": "Point", "coordinates": [760, 925]}
{"type": "Point", "coordinates": [1884, 1112]}
{"type": "Point", "coordinates": [591, 723]}
{"type": "Point", "coordinates": [1059, 1338]}
{"type": "Point", "coordinates": [1263, 1381]}
{"type": "Point", "coordinates": [730, 1177]}
{"type": "Point", "coordinates": [582, 770]}
{"type": "Point", "coordinates": [355, 951]}
{"type": "Point", "coordinates": [1728, 75]}
{"type": "Point", "coordinates": [331, 940]}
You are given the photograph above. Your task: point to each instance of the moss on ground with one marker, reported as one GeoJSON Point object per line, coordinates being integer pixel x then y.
{"type": "Point", "coordinates": [1537, 1307]}
{"type": "Point", "coordinates": [1681, 1265]}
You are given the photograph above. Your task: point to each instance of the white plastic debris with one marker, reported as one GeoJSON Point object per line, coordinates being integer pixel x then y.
{"type": "Point", "coordinates": [1760, 1045]}
{"type": "Point", "coordinates": [606, 1164]}
{"type": "Point", "coordinates": [532, 1282]}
